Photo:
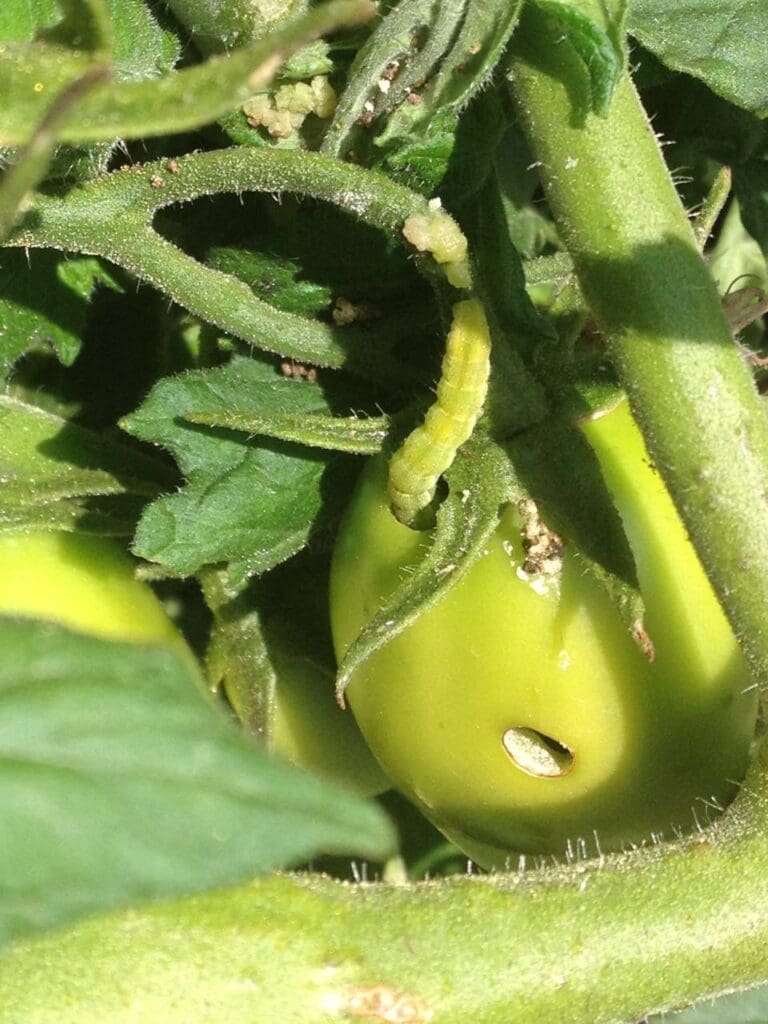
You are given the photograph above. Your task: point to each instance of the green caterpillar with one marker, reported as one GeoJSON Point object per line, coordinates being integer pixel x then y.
{"type": "Point", "coordinates": [431, 448]}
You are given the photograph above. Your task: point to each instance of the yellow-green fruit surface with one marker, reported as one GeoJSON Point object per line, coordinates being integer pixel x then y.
{"type": "Point", "coordinates": [518, 713]}
{"type": "Point", "coordinates": [311, 730]}
{"type": "Point", "coordinates": [81, 581]}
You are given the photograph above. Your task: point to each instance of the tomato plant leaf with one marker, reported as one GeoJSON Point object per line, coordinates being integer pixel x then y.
{"type": "Point", "coordinates": [480, 482]}
{"type": "Point", "coordinates": [51, 469]}
{"type": "Point", "coordinates": [358, 435]}
{"type": "Point", "coordinates": [449, 155]}
{"type": "Point", "coordinates": [44, 301]}
{"type": "Point", "coordinates": [121, 782]}
{"type": "Point", "coordinates": [483, 33]}
{"type": "Point", "coordinates": [602, 51]}
{"type": "Point", "coordinates": [31, 74]}
{"type": "Point", "coordinates": [720, 44]}
{"type": "Point", "coordinates": [404, 47]}
{"type": "Point", "coordinates": [250, 502]}
{"type": "Point", "coordinates": [280, 278]}
{"type": "Point", "coordinates": [237, 658]}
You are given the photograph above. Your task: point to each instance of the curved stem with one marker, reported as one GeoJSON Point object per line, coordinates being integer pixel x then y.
{"type": "Point", "coordinates": [651, 294]}
{"type": "Point", "coordinates": [112, 217]}
{"type": "Point", "coordinates": [600, 942]}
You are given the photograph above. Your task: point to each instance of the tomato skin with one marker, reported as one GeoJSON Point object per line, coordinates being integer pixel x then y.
{"type": "Point", "coordinates": [310, 730]}
{"type": "Point", "coordinates": [643, 746]}
{"type": "Point", "coordinates": [88, 583]}
{"type": "Point", "coordinates": [84, 582]}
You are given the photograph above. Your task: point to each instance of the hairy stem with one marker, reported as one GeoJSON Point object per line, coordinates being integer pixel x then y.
{"type": "Point", "coordinates": [112, 217]}
{"type": "Point", "coordinates": [650, 292]}
{"type": "Point", "coordinates": [601, 942]}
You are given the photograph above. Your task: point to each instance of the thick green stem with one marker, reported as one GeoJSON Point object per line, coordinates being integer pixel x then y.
{"type": "Point", "coordinates": [637, 261]}
{"type": "Point", "coordinates": [601, 942]}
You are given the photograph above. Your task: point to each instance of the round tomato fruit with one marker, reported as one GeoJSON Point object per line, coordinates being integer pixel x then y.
{"type": "Point", "coordinates": [308, 727]}
{"type": "Point", "coordinates": [519, 713]}
{"type": "Point", "coordinates": [84, 582]}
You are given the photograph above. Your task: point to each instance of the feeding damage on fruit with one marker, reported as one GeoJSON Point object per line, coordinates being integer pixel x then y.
{"type": "Point", "coordinates": [379, 1004]}
{"type": "Point", "coordinates": [543, 547]}
{"type": "Point", "coordinates": [537, 754]}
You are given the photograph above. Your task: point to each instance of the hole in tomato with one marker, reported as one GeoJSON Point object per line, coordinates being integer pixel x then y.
{"type": "Point", "coordinates": [537, 754]}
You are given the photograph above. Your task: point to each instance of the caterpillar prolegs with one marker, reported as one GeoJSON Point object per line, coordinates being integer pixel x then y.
{"type": "Point", "coordinates": [431, 448]}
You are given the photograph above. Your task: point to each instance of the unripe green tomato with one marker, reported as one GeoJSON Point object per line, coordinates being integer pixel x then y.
{"type": "Point", "coordinates": [518, 713]}
{"type": "Point", "coordinates": [309, 728]}
{"type": "Point", "coordinates": [84, 582]}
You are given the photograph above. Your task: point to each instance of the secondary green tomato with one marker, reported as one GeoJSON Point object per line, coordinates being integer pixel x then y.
{"type": "Point", "coordinates": [81, 581]}
{"type": "Point", "coordinates": [519, 713]}
{"type": "Point", "coordinates": [88, 583]}
{"type": "Point", "coordinates": [310, 729]}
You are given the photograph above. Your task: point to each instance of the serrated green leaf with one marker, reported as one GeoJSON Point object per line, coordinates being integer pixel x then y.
{"type": "Point", "coordinates": [358, 435]}
{"type": "Point", "coordinates": [121, 782]}
{"type": "Point", "coordinates": [421, 161]}
{"type": "Point", "coordinates": [44, 301]}
{"type": "Point", "coordinates": [46, 462]}
{"type": "Point", "coordinates": [480, 483]}
{"type": "Point", "coordinates": [252, 503]}
{"type": "Point", "coordinates": [722, 44]}
{"type": "Point", "coordinates": [275, 277]}
{"type": "Point", "coordinates": [602, 51]}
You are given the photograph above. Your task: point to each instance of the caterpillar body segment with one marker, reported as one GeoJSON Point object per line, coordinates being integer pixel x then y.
{"type": "Point", "coordinates": [430, 449]}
